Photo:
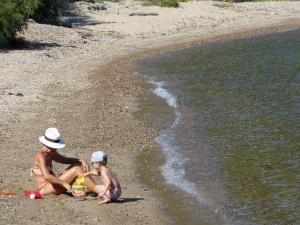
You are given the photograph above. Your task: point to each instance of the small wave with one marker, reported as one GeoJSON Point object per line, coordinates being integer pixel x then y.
{"type": "Point", "coordinates": [163, 93]}
{"type": "Point", "coordinates": [173, 170]}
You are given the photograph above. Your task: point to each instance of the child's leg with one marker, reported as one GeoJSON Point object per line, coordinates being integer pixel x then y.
{"type": "Point", "coordinates": [105, 198]}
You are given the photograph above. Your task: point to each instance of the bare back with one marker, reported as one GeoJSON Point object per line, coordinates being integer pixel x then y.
{"type": "Point", "coordinates": [48, 160]}
{"type": "Point", "coordinates": [107, 173]}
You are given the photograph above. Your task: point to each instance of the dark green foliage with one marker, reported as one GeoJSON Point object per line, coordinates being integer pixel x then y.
{"type": "Point", "coordinates": [163, 3]}
{"type": "Point", "coordinates": [49, 11]}
{"type": "Point", "coordinates": [94, 1]}
{"type": "Point", "coordinates": [13, 14]}
{"type": "Point", "coordinates": [167, 3]}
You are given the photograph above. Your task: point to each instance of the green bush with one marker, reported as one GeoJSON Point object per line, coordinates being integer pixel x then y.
{"type": "Point", "coordinates": [13, 15]}
{"type": "Point", "coordinates": [49, 11]}
{"type": "Point", "coordinates": [94, 1]}
{"type": "Point", "coordinates": [167, 3]}
{"type": "Point", "coordinates": [162, 3]}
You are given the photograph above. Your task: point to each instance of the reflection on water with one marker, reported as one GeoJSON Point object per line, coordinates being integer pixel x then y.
{"type": "Point", "coordinates": [240, 105]}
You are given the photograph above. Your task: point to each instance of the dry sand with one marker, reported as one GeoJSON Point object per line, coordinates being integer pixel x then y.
{"type": "Point", "coordinates": [81, 80]}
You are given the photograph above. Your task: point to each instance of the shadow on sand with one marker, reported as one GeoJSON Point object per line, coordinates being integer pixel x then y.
{"type": "Point", "coordinates": [127, 200]}
{"type": "Point", "coordinates": [22, 44]}
{"type": "Point", "coordinates": [93, 196]}
{"type": "Point", "coordinates": [120, 200]}
{"type": "Point", "coordinates": [74, 19]}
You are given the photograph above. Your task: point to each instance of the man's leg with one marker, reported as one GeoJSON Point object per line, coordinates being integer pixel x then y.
{"type": "Point", "coordinates": [68, 176]}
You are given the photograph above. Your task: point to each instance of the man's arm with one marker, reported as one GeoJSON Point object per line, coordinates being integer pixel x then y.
{"type": "Point", "coordinates": [68, 160]}
{"type": "Point", "coordinates": [65, 160]}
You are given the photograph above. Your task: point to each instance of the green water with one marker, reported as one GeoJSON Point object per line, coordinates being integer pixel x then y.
{"type": "Point", "coordinates": [240, 124]}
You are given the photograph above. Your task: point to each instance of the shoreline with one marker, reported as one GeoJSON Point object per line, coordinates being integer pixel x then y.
{"type": "Point", "coordinates": [192, 40]}
{"type": "Point", "coordinates": [156, 158]}
{"type": "Point", "coordinates": [148, 161]}
{"type": "Point", "coordinates": [92, 101]}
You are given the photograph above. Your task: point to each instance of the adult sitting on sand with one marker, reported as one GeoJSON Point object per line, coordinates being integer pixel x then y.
{"type": "Point", "coordinates": [42, 169]}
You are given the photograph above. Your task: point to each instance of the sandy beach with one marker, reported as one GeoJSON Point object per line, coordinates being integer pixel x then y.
{"type": "Point", "coordinates": [81, 79]}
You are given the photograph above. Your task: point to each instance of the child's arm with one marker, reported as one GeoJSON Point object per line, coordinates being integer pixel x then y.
{"type": "Point", "coordinates": [87, 174]}
{"type": "Point", "coordinates": [92, 172]}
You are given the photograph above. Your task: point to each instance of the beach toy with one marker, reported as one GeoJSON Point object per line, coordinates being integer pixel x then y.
{"type": "Point", "coordinates": [78, 188]}
{"type": "Point", "coordinates": [33, 194]}
{"type": "Point", "coordinates": [7, 193]}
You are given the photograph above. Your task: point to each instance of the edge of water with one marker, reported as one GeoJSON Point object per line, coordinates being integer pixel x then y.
{"type": "Point", "coordinates": [173, 170]}
{"type": "Point", "coordinates": [148, 173]}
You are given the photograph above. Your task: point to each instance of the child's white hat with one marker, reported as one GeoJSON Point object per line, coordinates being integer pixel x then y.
{"type": "Point", "coordinates": [98, 156]}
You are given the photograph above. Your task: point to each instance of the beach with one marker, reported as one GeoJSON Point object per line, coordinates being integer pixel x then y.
{"type": "Point", "coordinates": [82, 80]}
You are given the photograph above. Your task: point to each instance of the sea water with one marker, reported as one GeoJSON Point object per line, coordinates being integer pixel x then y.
{"type": "Point", "coordinates": [233, 145]}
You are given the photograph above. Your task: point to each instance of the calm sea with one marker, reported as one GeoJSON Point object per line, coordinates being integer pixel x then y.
{"type": "Point", "coordinates": [233, 145]}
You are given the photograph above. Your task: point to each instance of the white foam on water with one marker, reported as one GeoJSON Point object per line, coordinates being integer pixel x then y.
{"type": "Point", "coordinates": [173, 170]}
{"type": "Point", "coordinates": [163, 93]}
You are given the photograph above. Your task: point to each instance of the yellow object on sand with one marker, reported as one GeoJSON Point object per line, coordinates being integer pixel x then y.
{"type": "Point", "coordinates": [80, 181]}
{"type": "Point", "coordinates": [78, 188]}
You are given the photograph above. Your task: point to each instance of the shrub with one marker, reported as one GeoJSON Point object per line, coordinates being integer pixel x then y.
{"type": "Point", "coordinates": [49, 11]}
{"type": "Point", "coordinates": [162, 3]}
{"type": "Point", "coordinates": [167, 3]}
{"type": "Point", "coordinates": [94, 1]}
{"type": "Point", "coordinates": [13, 15]}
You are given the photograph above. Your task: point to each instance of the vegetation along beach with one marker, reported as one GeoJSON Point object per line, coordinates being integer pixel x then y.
{"type": "Point", "coordinates": [108, 75]}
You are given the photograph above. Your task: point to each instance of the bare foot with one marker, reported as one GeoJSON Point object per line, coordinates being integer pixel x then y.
{"type": "Point", "coordinates": [104, 201]}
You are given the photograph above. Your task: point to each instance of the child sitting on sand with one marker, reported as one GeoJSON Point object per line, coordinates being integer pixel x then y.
{"type": "Point", "coordinates": [110, 190]}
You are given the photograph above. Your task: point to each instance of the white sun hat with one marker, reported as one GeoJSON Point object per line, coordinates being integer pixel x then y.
{"type": "Point", "coordinates": [52, 139]}
{"type": "Point", "coordinates": [98, 156]}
